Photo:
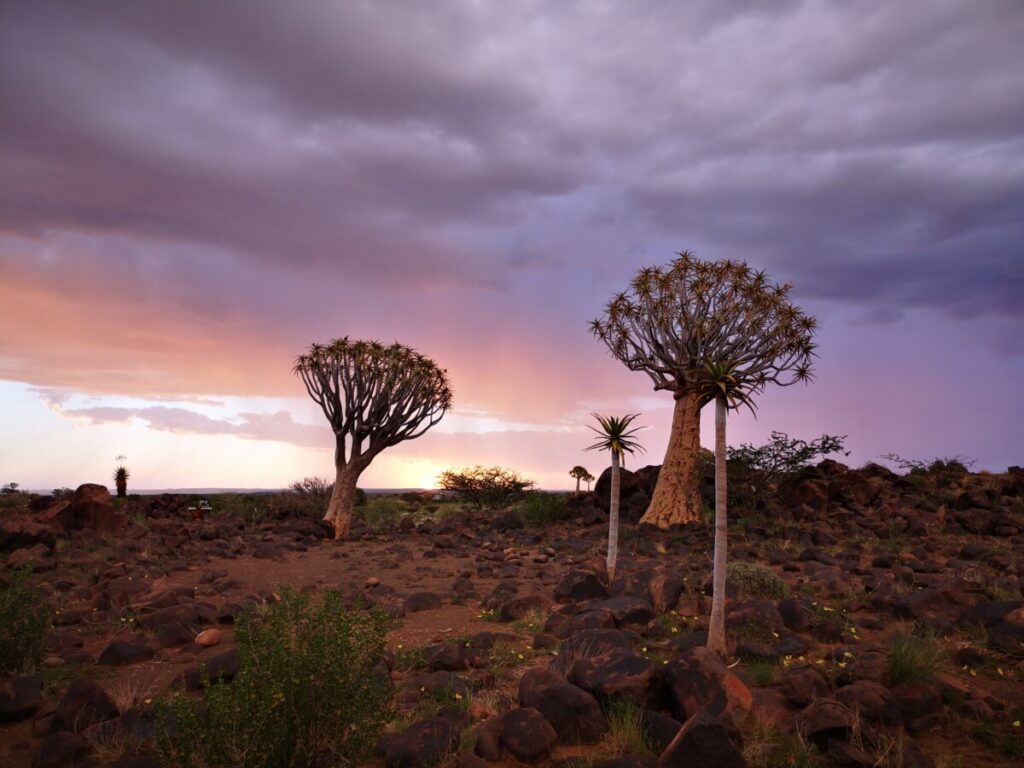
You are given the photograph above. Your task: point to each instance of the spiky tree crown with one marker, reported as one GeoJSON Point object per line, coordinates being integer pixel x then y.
{"type": "Point", "coordinates": [615, 434]}
{"type": "Point", "coordinates": [708, 326]}
{"type": "Point", "coordinates": [368, 390]}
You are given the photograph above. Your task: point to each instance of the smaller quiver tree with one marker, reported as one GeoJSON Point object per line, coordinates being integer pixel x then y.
{"type": "Point", "coordinates": [615, 436]}
{"type": "Point", "coordinates": [374, 397]}
{"type": "Point", "coordinates": [579, 473]}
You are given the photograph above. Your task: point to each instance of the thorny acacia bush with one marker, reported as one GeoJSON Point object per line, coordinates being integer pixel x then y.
{"type": "Point", "coordinates": [24, 619]}
{"type": "Point", "coordinates": [756, 580]}
{"type": "Point", "coordinates": [308, 692]}
{"type": "Point", "coordinates": [485, 488]}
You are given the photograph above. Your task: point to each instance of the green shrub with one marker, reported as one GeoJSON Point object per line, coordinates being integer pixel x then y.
{"type": "Point", "coordinates": [24, 619]}
{"type": "Point", "coordinates": [306, 693]}
{"type": "Point", "coordinates": [485, 488]}
{"type": "Point", "coordinates": [627, 732]}
{"type": "Point", "coordinates": [382, 513]}
{"type": "Point", "coordinates": [762, 673]}
{"type": "Point", "coordinates": [542, 508]}
{"type": "Point", "coordinates": [913, 658]}
{"type": "Point", "coordinates": [756, 580]}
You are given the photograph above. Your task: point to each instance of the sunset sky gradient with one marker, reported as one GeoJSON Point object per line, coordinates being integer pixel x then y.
{"type": "Point", "coordinates": [192, 192]}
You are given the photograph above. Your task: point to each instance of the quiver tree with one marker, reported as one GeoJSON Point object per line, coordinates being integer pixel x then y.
{"type": "Point", "coordinates": [579, 473]}
{"type": "Point", "coordinates": [374, 397]}
{"type": "Point", "coordinates": [674, 320]}
{"type": "Point", "coordinates": [615, 435]}
{"type": "Point", "coordinates": [121, 476]}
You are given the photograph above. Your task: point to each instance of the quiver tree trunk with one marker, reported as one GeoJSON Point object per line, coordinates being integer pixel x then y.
{"type": "Point", "coordinates": [613, 520]}
{"type": "Point", "coordinates": [339, 510]}
{"type": "Point", "coordinates": [676, 496]}
{"type": "Point", "coordinates": [716, 626]}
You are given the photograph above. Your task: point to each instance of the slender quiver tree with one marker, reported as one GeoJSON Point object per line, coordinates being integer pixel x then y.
{"type": "Point", "coordinates": [757, 338]}
{"type": "Point", "coordinates": [580, 473]}
{"type": "Point", "coordinates": [374, 397]}
{"type": "Point", "coordinates": [615, 435]}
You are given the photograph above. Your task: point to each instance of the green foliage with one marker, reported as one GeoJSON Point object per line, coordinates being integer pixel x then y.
{"type": "Point", "coordinates": [756, 580]}
{"type": "Point", "coordinates": [24, 619]}
{"type": "Point", "coordinates": [949, 465]}
{"type": "Point", "coordinates": [615, 434]}
{"type": "Point", "coordinates": [485, 488]}
{"type": "Point", "coordinates": [383, 513]}
{"type": "Point", "coordinates": [761, 673]}
{"type": "Point", "coordinates": [306, 694]}
{"type": "Point", "coordinates": [627, 732]}
{"type": "Point", "coordinates": [783, 454]}
{"type": "Point", "coordinates": [913, 658]}
{"type": "Point", "coordinates": [540, 508]}
{"type": "Point", "coordinates": [314, 487]}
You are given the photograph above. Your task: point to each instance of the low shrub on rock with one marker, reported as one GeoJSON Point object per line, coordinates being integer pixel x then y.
{"type": "Point", "coordinates": [756, 580]}
{"type": "Point", "coordinates": [309, 692]}
{"type": "Point", "coordinates": [24, 619]}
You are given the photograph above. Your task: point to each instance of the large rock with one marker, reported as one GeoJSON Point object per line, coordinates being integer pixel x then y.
{"type": "Point", "coordinates": [527, 735]}
{"type": "Point", "coordinates": [60, 750]}
{"type": "Point", "coordinates": [614, 673]}
{"type": "Point", "coordinates": [579, 585]}
{"type": "Point", "coordinates": [823, 719]}
{"type": "Point", "coordinates": [121, 652]}
{"type": "Point", "coordinates": [700, 682]}
{"type": "Point", "coordinates": [702, 742]}
{"type": "Point", "coordinates": [603, 489]}
{"type": "Point", "coordinates": [573, 713]}
{"type": "Point", "coordinates": [84, 704]}
{"type": "Point", "coordinates": [421, 744]}
{"type": "Point", "coordinates": [222, 666]}
{"type": "Point", "coordinates": [626, 610]}
{"type": "Point", "coordinates": [92, 509]}
{"type": "Point", "coordinates": [422, 601]}
{"type": "Point", "coordinates": [20, 698]}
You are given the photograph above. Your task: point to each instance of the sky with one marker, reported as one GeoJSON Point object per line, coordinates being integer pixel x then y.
{"type": "Point", "coordinates": [191, 193]}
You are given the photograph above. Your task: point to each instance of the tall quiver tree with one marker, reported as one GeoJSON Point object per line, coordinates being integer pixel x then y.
{"type": "Point", "coordinates": [374, 397]}
{"type": "Point", "coordinates": [769, 341]}
{"type": "Point", "coordinates": [615, 435]}
{"type": "Point", "coordinates": [668, 324]}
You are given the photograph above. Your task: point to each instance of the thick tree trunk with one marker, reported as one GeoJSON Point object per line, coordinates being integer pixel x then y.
{"type": "Point", "coordinates": [613, 521]}
{"type": "Point", "coordinates": [677, 495]}
{"type": "Point", "coordinates": [339, 510]}
{"type": "Point", "coordinates": [716, 627]}
{"type": "Point", "coordinates": [577, 486]}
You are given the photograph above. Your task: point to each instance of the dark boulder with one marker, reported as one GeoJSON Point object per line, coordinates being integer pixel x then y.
{"type": "Point", "coordinates": [579, 585]}
{"type": "Point", "coordinates": [527, 735]}
{"type": "Point", "coordinates": [20, 698]}
{"type": "Point", "coordinates": [84, 704]}
{"type": "Point", "coordinates": [702, 742]}
{"type": "Point", "coordinates": [421, 744]}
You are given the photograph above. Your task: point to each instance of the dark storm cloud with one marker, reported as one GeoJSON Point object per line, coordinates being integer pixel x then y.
{"type": "Point", "coordinates": [871, 152]}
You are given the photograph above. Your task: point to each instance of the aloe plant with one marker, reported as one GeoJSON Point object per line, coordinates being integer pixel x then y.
{"type": "Point", "coordinates": [615, 435]}
{"type": "Point", "coordinates": [121, 477]}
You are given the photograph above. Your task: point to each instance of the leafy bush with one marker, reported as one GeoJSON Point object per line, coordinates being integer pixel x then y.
{"type": "Point", "coordinates": [756, 580]}
{"type": "Point", "coordinates": [913, 658]}
{"type": "Point", "coordinates": [306, 694]}
{"type": "Point", "coordinates": [316, 487]}
{"type": "Point", "coordinates": [542, 508]}
{"type": "Point", "coordinates": [383, 513]}
{"type": "Point", "coordinates": [753, 469]}
{"type": "Point", "coordinates": [485, 488]}
{"type": "Point", "coordinates": [24, 619]}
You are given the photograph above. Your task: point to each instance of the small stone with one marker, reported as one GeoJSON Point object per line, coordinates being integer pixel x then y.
{"type": "Point", "coordinates": [372, 582]}
{"type": "Point", "coordinates": [209, 638]}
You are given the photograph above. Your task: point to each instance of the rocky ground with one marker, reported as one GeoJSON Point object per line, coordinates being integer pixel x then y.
{"type": "Point", "coordinates": [509, 647]}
